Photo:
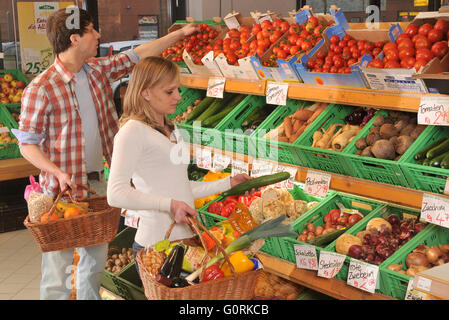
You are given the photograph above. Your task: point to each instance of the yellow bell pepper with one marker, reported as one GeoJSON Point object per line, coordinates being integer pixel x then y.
{"type": "Point", "coordinates": [240, 262]}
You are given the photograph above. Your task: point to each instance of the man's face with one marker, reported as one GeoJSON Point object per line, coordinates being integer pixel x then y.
{"type": "Point", "coordinates": [88, 42]}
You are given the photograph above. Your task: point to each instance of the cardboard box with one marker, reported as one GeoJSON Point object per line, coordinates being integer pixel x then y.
{"type": "Point", "coordinates": [434, 281]}
{"type": "Point", "coordinates": [408, 80]}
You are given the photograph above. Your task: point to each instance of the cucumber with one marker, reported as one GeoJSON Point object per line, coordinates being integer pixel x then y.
{"type": "Point", "coordinates": [439, 149]}
{"type": "Point", "coordinates": [436, 162]}
{"type": "Point", "coordinates": [324, 240]}
{"type": "Point", "coordinates": [445, 162]}
{"type": "Point", "coordinates": [203, 105]}
{"type": "Point", "coordinates": [215, 107]}
{"type": "Point", "coordinates": [210, 122]}
{"type": "Point", "coordinates": [252, 116]}
{"type": "Point", "coordinates": [256, 183]}
{"type": "Point", "coordinates": [421, 155]}
{"type": "Point", "coordinates": [426, 162]}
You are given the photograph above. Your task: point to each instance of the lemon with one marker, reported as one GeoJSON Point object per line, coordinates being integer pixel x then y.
{"type": "Point", "coordinates": [161, 245]}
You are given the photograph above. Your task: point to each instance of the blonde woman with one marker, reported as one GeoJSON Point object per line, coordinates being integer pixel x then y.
{"type": "Point", "coordinates": [143, 153]}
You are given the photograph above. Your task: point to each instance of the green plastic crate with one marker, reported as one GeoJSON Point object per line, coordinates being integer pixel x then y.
{"type": "Point", "coordinates": [394, 283]}
{"type": "Point", "coordinates": [276, 150]}
{"type": "Point", "coordinates": [422, 177]}
{"type": "Point", "coordinates": [17, 75]}
{"type": "Point", "coordinates": [322, 159]}
{"type": "Point", "coordinates": [316, 216]}
{"type": "Point", "coordinates": [361, 225]}
{"type": "Point", "coordinates": [124, 239]}
{"type": "Point", "coordinates": [379, 170]}
{"type": "Point", "coordinates": [8, 150]}
{"type": "Point", "coordinates": [129, 284]}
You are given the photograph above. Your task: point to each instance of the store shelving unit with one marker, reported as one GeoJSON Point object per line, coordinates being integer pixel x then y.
{"type": "Point", "coordinates": [11, 169]}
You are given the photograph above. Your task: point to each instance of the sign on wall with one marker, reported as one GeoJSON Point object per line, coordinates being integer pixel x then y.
{"type": "Point", "coordinates": [35, 49]}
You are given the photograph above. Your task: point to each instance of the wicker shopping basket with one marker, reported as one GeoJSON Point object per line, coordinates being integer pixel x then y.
{"type": "Point", "coordinates": [240, 286]}
{"type": "Point", "coordinates": [98, 226]}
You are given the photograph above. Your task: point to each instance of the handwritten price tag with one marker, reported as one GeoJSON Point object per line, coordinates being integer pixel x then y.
{"type": "Point", "coordinates": [362, 275]}
{"type": "Point", "coordinates": [306, 257]}
{"type": "Point", "coordinates": [131, 219]}
{"type": "Point", "coordinates": [220, 162]}
{"type": "Point", "coordinates": [435, 210]}
{"type": "Point", "coordinates": [433, 111]}
{"type": "Point", "coordinates": [239, 166]}
{"type": "Point", "coordinates": [215, 87]}
{"type": "Point", "coordinates": [261, 168]}
{"type": "Point", "coordinates": [277, 93]}
{"type": "Point", "coordinates": [330, 264]}
{"type": "Point", "coordinates": [317, 183]}
{"type": "Point", "coordinates": [203, 158]}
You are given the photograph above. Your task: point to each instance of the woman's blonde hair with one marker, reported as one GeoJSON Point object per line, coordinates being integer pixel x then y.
{"type": "Point", "coordinates": [147, 73]}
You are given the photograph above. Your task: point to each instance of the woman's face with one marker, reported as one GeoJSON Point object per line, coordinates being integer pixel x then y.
{"type": "Point", "coordinates": [163, 98]}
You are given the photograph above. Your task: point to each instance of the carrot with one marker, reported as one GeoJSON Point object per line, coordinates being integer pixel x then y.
{"type": "Point", "coordinates": [317, 113]}
{"type": "Point", "coordinates": [283, 139]}
{"type": "Point", "coordinates": [298, 124]}
{"type": "Point", "coordinates": [288, 127]}
{"type": "Point", "coordinates": [303, 114]}
{"type": "Point", "coordinates": [298, 133]}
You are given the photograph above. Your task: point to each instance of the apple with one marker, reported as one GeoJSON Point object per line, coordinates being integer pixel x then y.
{"type": "Point", "coordinates": [16, 99]}
{"type": "Point", "coordinates": [19, 92]}
{"type": "Point", "coordinates": [20, 84]}
{"type": "Point", "coordinates": [5, 85]}
{"type": "Point", "coordinates": [8, 77]}
{"type": "Point", "coordinates": [13, 83]}
{"type": "Point", "coordinates": [4, 100]}
{"type": "Point", "coordinates": [6, 90]}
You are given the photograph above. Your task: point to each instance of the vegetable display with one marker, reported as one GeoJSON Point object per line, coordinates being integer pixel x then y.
{"type": "Point", "coordinates": [435, 155]}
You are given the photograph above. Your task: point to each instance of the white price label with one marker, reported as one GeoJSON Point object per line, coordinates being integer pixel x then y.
{"type": "Point", "coordinates": [433, 111]}
{"type": "Point", "coordinates": [287, 184]}
{"type": "Point", "coordinates": [131, 219]}
{"type": "Point", "coordinates": [413, 294]}
{"type": "Point", "coordinates": [306, 257]}
{"type": "Point", "coordinates": [239, 166]}
{"type": "Point", "coordinates": [277, 93]}
{"type": "Point", "coordinates": [261, 168]}
{"type": "Point", "coordinates": [435, 209]}
{"type": "Point", "coordinates": [317, 183]}
{"type": "Point", "coordinates": [423, 283]}
{"type": "Point", "coordinates": [203, 158]}
{"type": "Point", "coordinates": [363, 275]}
{"type": "Point", "coordinates": [220, 162]}
{"type": "Point", "coordinates": [330, 263]}
{"type": "Point", "coordinates": [232, 22]}
{"type": "Point", "coordinates": [215, 87]}
{"type": "Point", "coordinates": [265, 17]}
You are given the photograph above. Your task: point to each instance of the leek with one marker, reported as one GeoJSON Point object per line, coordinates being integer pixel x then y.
{"type": "Point", "coordinates": [267, 229]}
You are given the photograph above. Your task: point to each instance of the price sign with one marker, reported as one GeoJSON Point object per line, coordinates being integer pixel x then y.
{"type": "Point", "coordinates": [220, 162]}
{"type": "Point", "coordinates": [423, 283]}
{"type": "Point", "coordinates": [215, 87]}
{"type": "Point", "coordinates": [413, 294]}
{"type": "Point", "coordinates": [261, 168]}
{"type": "Point", "coordinates": [203, 158]}
{"type": "Point", "coordinates": [330, 264]}
{"type": "Point", "coordinates": [239, 166]}
{"type": "Point", "coordinates": [306, 257]}
{"type": "Point", "coordinates": [277, 93]}
{"type": "Point", "coordinates": [287, 184]}
{"type": "Point", "coordinates": [435, 209]}
{"type": "Point", "coordinates": [232, 22]}
{"type": "Point", "coordinates": [433, 111]}
{"type": "Point", "coordinates": [362, 275]}
{"type": "Point", "coordinates": [131, 218]}
{"type": "Point", "coordinates": [317, 183]}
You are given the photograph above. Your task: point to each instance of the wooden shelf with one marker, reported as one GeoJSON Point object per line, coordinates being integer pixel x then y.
{"type": "Point", "coordinates": [335, 288]}
{"type": "Point", "coordinates": [392, 100]}
{"type": "Point", "coordinates": [11, 169]}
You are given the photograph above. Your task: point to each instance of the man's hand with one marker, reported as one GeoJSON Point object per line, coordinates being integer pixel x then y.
{"type": "Point", "coordinates": [65, 181]}
{"type": "Point", "coordinates": [189, 29]}
{"type": "Point", "coordinates": [181, 210]}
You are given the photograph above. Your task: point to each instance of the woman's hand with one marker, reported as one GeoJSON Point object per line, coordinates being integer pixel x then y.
{"type": "Point", "coordinates": [240, 178]}
{"type": "Point", "coordinates": [181, 211]}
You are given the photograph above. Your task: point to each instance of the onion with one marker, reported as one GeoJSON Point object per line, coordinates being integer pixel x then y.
{"type": "Point", "coordinates": [421, 249]}
{"type": "Point", "coordinates": [416, 259]}
{"type": "Point", "coordinates": [395, 267]}
{"type": "Point", "coordinates": [444, 248]}
{"type": "Point", "coordinates": [411, 272]}
{"type": "Point", "coordinates": [432, 254]}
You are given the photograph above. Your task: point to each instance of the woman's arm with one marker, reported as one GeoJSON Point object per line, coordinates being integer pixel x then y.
{"type": "Point", "coordinates": [208, 188]}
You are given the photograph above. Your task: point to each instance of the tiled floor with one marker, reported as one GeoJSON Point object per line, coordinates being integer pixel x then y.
{"type": "Point", "coordinates": [20, 266]}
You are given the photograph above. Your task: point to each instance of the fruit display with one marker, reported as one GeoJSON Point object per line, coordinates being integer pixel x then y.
{"type": "Point", "coordinates": [380, 239]}
{"type": "Point", "coordinates": [416, 46]}
{"type": "Point", "coordinates": [197, 44]}
{"type": "Point", "coordinates": [117, 261]}
{"type": "Point", "coordinates": [6, 137]}
{"type": "Point", "coordinates": [295, 124]}
{"type": "Point", "coordinates": [435, 155]}
{"type": "Point", "coordinates": [422, 258]}
{"type": "Point", "coordinates": [11, 89]}
{"type": "Point", "coordinates": [390, 136]}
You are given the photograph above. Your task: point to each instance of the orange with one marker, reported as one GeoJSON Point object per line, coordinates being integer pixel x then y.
{"type": "Point", "coordinates": [72, 212]}
{"type": "Point", "coordinates": [54, 216]}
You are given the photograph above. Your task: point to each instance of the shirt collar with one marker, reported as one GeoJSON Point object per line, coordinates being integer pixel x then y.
{"type": "Point", "coordinates": [66, 75]}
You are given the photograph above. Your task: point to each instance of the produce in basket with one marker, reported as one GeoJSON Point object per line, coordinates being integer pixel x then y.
{"type": "Point", "coordinates": [117, 261]}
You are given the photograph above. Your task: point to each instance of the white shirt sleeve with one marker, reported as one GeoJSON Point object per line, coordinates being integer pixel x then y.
{"type": "Point", "coordinates": [208, 188]}
{"type": "Point", "coordinates": [128, 147]}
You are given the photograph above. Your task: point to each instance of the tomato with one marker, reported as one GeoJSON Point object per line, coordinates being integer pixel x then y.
{"type": "Point", "coordinates": [292, 38]}
{"type": "Point", "coordinates": [231, 58]}
{"type": "Point", "coordinates": [233, 33]}
{"type": "Point", "coordinates": [405, 43]}
{"type": "Point", "coordinates": [411, 30]}
{"type": "Point", "coordinates": [320, 55]}
{"type": "Point", "coordinates": [266, 23]}
{"type": "Point", "coordinates": [228, 209]}
{"type": "Point", "coordinates": [442, 25]}
{"type": "Point", "coordinates": [352, 43]}
{"type": "Point", "coordinates": [419, 63]}
{"type": "Point", "coordinates": [299, 41]}
{"type": "Point", "coordinates": [376, 63]}
{"type": "Point", "coordinates": [216, 208]}
{"type": "Point", "coordinates": [402, 36]}
{"type": "Point", "coordinates": [284, 26]}
{"type": "Point", "coordinates": [306, 45]}
{"type": "Point", "coordinates": [244, 37]}
{"type": "Point", "coordinates": [435, 35]}
{"type": "Point", "coordinates": [376, 51]}
{"type": "Point", "coordinates": [361, 44]}
{"type": "Point", "coordinates": [424, 54]}
{"type": "Point", "coordinates": [392, 64]}
{"type": "Point", "coordinates": [260, 51]}
{"type": "Point", "coordinates": [424, 29]}
{"type": "Point", "coordinates": [275, 36]}
{"type": "Point", "coordinates": [351, 61]}
{"type": "Point", "coordinates": [329, 60]}
{"type": "Point", "coordinates": [256, 29]}
{"type": "Point", "coordinates": [390, 45]}
{"type": "Point", "coordinates": [422, 42]}
{"type": "Point", "coordinates": [317, 31]}
{"type": "Point", "coordinates": [311, 63]}
{"type": "Point", "coordinates": [440, 48]}
{"type": "Point", "coordinates": [339, 62]}
{"type": "Point", "coordinates": [313, 20]}
{"type": "Point", "coordinates": [294, 29]}
{"type": "Point", "coordinates": [406, 52]}
{"type": "Point", "coordinates": [294, 50]}
{"type": "Point", "coordinates": [333, 69]}
{"type": "Point", "coordinates": [319, 63]}
{"type": "Point", "coordinates": [235, 44]}
{"type": "Point", "coordinates": [281, 54]}
{"type": "Point", "coordinates": [343, 43]}
{"type": "Point", "coordinates": [335, 39]}
{"type": "Point", "coordinates": [392, 54]}
{"type": "Point", "coordinates": [408, 62]}
{"type": "Point", "coordinates": [338, 50]}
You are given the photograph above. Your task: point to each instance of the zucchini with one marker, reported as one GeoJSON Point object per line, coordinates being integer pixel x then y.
{"type": "Point", "coordinates": [426, 162]}
{"type": "Point", "coordinates": [436, 162]}
{"type": "Point", "coordinates": [445, 162]}
{"type": "Point", "coordinates": [325, 239]}
{"type": "Point", "coordinates": [421, 155]}
{"type": "Point", "coordinates": [254, 115]}
{"type": "Point", "coordinates": [256, 183]}
{"type": "Point", "coordinates": [219, 116]}
{"type": "Point", "coordinates": [203, 105]}
{"type": "Point", "coordinates": [215, 107]}
{"type": "Point", "coordinates": [439, 149]}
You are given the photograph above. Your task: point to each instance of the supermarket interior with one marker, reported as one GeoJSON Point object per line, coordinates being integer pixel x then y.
{"type": "Point", "coordinates": [229, 150]}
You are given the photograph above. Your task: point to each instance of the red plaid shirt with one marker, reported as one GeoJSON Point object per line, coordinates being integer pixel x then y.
{"type": "Point", "coordinates": [50, 107]}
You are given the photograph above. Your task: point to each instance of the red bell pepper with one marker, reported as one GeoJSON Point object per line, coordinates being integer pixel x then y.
{"type": "Point", "coordinates": [228, 209]}
{"type": "Point", "coordinates": [215, 207]}
{"type": "Point", "coordinates": [213, 272]}
{"type": "Point", "coordinates": [231, 199]}
{"type": "Point", "coordinates": [245, 200]}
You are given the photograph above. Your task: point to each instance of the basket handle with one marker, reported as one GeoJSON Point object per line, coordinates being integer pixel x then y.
{"type": "Point", "coordinates": [69, 193]}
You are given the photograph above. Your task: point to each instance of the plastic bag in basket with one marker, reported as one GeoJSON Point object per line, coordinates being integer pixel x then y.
{"type": "Point", "coordinates": [32, 187]}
